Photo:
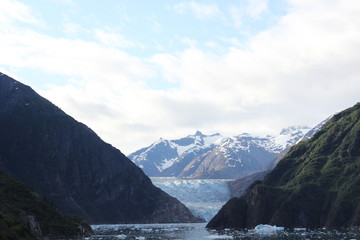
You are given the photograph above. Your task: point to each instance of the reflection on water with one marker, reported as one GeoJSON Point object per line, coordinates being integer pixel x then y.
{"type": "Point", "coordinates": [197, 231]}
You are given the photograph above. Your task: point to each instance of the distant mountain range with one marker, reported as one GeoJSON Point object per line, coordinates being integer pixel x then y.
{"type": "Point", "coordinates": [315, 185]}
{"type": "Point", "coordinates": [214, 156]}
{"type": "Point", "coordinates": [66, 162]}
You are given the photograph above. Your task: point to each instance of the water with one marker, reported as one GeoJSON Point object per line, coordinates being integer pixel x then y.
{"type": "Point", "coordinates": [204, 197]}
{"type": "Point", "coordinates": [198, 232]}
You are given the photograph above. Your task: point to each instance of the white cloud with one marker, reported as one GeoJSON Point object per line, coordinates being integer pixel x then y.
{"type": "Point", "coordinates": [237, 15]}
{"type": "Point", "coordinates": [304, 69]}
{"type": "Point", "coordinates": [201, 11]}
{"type": "Point", "coordinates": [298, 72]}
{"type": "Point", "coordinates": [256, 8]}
{"type": "Point", "coordinates": [68, 57]}
{"type": "Point", "coordinates": [188, 42]}
{"type": "Point", "coordinates": [65, 1]}
{"type": "Point", "coordinates": [113, 39]}
{"type": "Point", "coordinates": [74, 29]}
{"type": "Point", "coordinates": [102, 85]}
{"type": "Point", "coordinates": [252, 9]}
{"type": "Point", "coordinates": [155, 24]}
{"type": "Point", "coordinates": [12, 10]}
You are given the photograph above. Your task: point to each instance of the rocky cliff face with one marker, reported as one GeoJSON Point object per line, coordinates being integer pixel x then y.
{"type": "Point", "coordinates": [68, 163]}
{"type": "Point", "coordinates": [317, 183]}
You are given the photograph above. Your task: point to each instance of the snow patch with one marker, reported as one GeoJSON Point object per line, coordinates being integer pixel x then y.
{"type": "Point", "coordinates": [122, 236]}
{"type": "Point", "coordinates": [181, 149]}
{"type": "Point", "coordinates": [212, 139]}
{"type": "Point", "coordinates": [167, 163]}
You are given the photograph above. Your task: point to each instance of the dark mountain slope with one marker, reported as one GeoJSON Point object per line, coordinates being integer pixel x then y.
{"type": "Point", "coordinates": [26, 215]}
{"type": "Point", "coordinates": [68, 163]}
{"type": "Point", "coordinates": [317, 184]}
{"type": "Point", "coordinates": [239, 186]}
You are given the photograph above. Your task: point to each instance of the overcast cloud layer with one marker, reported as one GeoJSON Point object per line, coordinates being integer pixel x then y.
{"type": "Point", "coordinates": [298, 70]}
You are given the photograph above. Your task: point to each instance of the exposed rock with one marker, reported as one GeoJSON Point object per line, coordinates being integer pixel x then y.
{"type": "Point", "coordinates": [34, 225]}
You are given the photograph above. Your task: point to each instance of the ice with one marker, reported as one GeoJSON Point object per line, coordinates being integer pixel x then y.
{"type": "Point", "coordinates": [192, 231]}
{"type": "Point", "coordinates": [220, 237]}
{"type": "Point", "coordinates": [204, 197]}
{"type": "Point", "coordinates": [299, 229]}
{"type": "Point", "coordinates": [267, 229]}
{"type": "Point", "coordinates": [121, 236]}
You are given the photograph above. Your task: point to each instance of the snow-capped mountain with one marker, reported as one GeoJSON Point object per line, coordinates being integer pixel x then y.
{"type": "Point", "coordinates": [214, 156]}
{"type": "Point", "coordinates": [156, 159]}
{"type": "Point", "coordinates": [287, 137]}
{"type": "Point", "coordinates": [315, 129]}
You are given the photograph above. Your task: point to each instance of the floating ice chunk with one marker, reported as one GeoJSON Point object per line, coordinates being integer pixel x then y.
{"type": "Point", "coordinates": [267, 229]}
{"type": "Point", "coordinates": [122, 236]}
{"type": "Point", "coordinates": [140, 238]}
{"type": "Point", "coordinates": [219, 237]}
{"type": "Point", "coordinates": [170, 229]}
{"type": "Point", "coordinates": [299, 229]}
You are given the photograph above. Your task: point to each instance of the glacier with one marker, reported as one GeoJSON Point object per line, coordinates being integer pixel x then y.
{"type": "Point", "coordinates": [204, 197]}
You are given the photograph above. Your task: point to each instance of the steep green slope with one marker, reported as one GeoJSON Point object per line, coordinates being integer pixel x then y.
{"type": "Point", "coordinates": [24, 214]}
{"type": "Point", "coordinates": [11, 229]}
{"type": "Point", "coordinates": [317, 184]}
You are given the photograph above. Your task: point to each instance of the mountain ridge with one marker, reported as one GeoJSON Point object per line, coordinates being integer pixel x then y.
{"type": "Point", "coordinates": [214, 156]}
{"type": "Point", "coordinates": [316, 184]}
{"type": "Point", "coordinates": [68, 163]}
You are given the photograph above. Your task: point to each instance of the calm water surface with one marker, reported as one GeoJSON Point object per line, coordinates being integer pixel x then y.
{"type": "Point", "coordinates": [198, 232]}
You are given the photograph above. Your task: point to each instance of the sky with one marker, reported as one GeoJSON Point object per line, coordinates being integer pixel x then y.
{"type": "Point", "coordinates": [138, 70]}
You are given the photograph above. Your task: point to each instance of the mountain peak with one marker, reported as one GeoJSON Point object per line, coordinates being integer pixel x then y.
{"type": "Point", "coordinates": [198, 133]}
{"type": "Point", "coordinates": [293, 129]}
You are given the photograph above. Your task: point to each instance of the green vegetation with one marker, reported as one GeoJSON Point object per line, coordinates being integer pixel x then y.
{"type": "Point", "coordinates": [11, 229]}
{"type": "Point", "coordinates": [24, 214]}
{"type": "Point", "coordinates": [316, 184]}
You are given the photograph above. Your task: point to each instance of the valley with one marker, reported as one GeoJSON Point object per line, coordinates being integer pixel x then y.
{"type": "Point", "coordinates": [188, 180]}
{"type": "Point", "coordinates": [204, 197]}
{"type": "Point", "coordinates": [205, 171]}
{"type": "Point", "coordinates": [184, 119]}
